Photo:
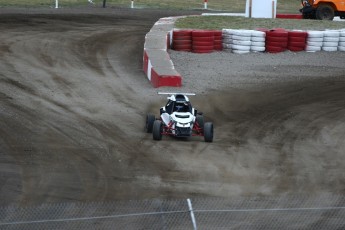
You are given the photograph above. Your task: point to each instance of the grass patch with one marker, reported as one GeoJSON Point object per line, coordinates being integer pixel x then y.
{"type": "Point", "coordinates": [233, 6]}
{"type": "Point", "coordinates": [221, 22]}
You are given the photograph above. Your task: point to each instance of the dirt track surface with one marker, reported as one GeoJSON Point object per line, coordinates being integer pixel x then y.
{"type": "Point", "coordinates": [74, 97]}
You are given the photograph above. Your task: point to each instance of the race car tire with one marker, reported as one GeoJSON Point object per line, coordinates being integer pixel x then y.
{"type": "Point", "coordinates": [157, 130]}
{"type": "Point", "coordinates": [200, 121]}
{"type": "Point", "coordinates": [150, 119]}
{"type": "Point", "coordinates": [208, 132]}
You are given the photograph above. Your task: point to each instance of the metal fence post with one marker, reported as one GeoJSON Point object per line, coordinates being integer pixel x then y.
{"type": "Point", "coordinates": [191, 213]}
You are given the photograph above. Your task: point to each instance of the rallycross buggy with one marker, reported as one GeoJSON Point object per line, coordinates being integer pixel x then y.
{"type": "Point", "coordinates": [178, 118]}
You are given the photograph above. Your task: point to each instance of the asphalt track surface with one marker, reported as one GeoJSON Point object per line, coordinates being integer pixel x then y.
{"type": "Point", "coordinates": [73, 101]}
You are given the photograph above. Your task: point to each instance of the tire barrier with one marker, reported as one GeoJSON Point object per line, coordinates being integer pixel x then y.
{"type": "Point", "coordinates": [227, 40]}
{"type": "Point", "coordinates": [341, 45]}
{"type": "Point", "coordinates": [258, 39]}
{"type": "Point", "coordinates": [276, 40]}
{"type": "Point", "coordinates": [182, 40]}
{"type": "Point", "coordinates": [243, 41]}
{"type": "Point", "coordinates": [203, 41]}
{"type": "Point", "coordinates": [297, 40]}
{"type": "Point", "coordinates": [217, 44]}
{"type": "Point", "coordinates": [197, 41]}
{"type": "Point", "coordinates": [160, 70]}
{"type": "Point", "coordinates": [280, 40]}
{"type": "Point", "coordinates": [330, 40]}
{"type": "Point", "coordinates": [314, 41]}
{"type": "Point", "coordinates": [157, 64]}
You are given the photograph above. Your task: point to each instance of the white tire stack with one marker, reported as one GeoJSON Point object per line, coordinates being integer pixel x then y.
{"type": "Point", "coordinates": [241, 41]}
{"type": "Point", "coordinates": [341, 44]}
{"type": "Point", "coordinates": [314, 41]}
{"type": "Point", "coordinates": [330, 40]}
{"type": "Point", "coordinates": [227, 39]}
{"type": "Point", "coordinates": [258, 41]}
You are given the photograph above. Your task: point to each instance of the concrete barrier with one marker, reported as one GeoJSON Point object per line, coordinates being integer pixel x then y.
{"type": "Point", "coordinates": [157, 65]}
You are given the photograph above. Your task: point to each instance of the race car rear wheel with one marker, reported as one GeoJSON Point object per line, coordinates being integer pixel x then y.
{"type": "Point", "coordinates": [208, 132]}
{"type": "Point", "coordinates": [157, 130]}
{"type": "Point", "coordinates": [150, 119]}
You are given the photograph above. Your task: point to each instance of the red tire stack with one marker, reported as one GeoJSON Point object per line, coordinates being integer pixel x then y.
{"type": "Point", "coordinates": [276, 40]}
{"type": "Point", "coordinates": [203, 41]}
{"type": "Point", "coordinates": [297, 40]}
{"type": "Point", "coordinates": [182, 40]}
{"type": "Point", "coordinates": [217, 43]}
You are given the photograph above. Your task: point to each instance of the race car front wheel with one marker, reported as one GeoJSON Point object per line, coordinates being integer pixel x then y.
{"type": "Point", "coordinates": [157, 130]}
{"type": "Point", "coordinates": [208, 132]}
{"type": "Point", "coordinates": [150, 118]}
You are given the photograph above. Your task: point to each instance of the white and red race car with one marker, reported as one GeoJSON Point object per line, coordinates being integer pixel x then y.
{"type": "Point", "coordinates": [178, 118]}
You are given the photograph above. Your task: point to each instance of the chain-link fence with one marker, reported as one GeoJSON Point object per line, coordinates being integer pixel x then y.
{"type": "Point", "coordinates": [302, 212]}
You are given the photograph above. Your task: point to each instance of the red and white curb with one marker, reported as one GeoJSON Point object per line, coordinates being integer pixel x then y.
{"type": "Point", "coordinates": [157, 65]}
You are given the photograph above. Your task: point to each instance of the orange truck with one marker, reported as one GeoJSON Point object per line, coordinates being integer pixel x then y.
{"type": "Point", "coordinates": [323, 9]}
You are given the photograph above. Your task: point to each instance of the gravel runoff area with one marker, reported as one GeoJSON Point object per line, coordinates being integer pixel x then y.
{"type": "Point", "coordinates": [203, 73]}
{"type": "Point", "coordinates": [74, 99]}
